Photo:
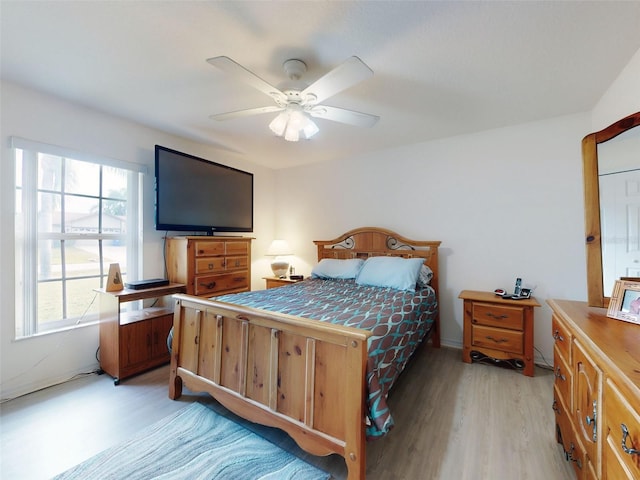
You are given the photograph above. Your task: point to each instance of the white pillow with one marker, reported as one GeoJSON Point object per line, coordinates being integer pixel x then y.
{"type": "Point", "coordinates": [334, 268]}
{"type": "Point", "coordinates": [393, 272]}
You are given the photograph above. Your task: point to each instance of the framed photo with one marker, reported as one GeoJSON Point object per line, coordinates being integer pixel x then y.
{"type": "Point", "coordinates": [625, 301]}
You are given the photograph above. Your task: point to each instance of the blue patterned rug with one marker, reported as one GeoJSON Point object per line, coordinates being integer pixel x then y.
{"type": "Point", "coordinates": [195, 443]}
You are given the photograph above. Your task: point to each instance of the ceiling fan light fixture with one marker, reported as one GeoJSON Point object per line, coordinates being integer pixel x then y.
{"type": "Point", "coordinates": [279, 124]}
{"type": "Point", "coordinates": [292, 134]}
{"type": "Point", "coordinates": [310, 128]}
{"type": "Point", "coordinates": [291, 122]}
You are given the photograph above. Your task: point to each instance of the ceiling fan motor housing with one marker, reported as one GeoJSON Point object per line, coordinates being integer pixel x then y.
{"type": "Point", "coordinates": [294, 68]}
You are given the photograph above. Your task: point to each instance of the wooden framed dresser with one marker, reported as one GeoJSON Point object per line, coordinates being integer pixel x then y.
{"type": "Point", "coordinates": [210, 266]}
{"type": "Point", "coordinates": [499, 328]}
{"type": "Point", "coordinates": [596, 393]}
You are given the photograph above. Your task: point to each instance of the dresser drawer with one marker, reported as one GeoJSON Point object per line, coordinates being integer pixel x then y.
{"type": "Point", "coordinates": [220, 264]}
{"type": "Point", "coordinates": [502, 316]}
{"type": "Point", "coordinates": [218, 284]}
{"type": "Point", "coordinates": [619, 412]}
{"type": "Point", "coordinates": [564, 431]}
{"type": "Point", "coordinates": [563, 377]}
{"type": "Point", "coordinates": [210, 265]}
{"type": "Point", "coordinates": [204, 248]}
{"type": "Point", "coordinates": [562, 338]}
{"type": "Point", "coordinates": [237, 248]}
{"type": "Point", "coordinates": [498, 338]}
{"type": "Point", "coordinates": [235, 263]}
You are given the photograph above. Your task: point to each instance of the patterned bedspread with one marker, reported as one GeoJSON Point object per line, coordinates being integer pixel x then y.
{"type": "Point", "coordinates": [398, 319]}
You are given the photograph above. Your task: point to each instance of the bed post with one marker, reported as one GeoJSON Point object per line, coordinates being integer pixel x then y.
{"type": "Point", "coordinates": [175, 382]}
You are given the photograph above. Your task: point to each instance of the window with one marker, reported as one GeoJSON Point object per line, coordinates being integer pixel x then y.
{"type": "Point", "coordinates": [75, 215]}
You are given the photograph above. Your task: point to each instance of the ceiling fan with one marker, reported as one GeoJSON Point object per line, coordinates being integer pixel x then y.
{"type": "Point", "coordinates": [296, 101]}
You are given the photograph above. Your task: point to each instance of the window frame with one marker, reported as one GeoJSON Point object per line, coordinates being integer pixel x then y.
{"type": "Point", "coordinates": [27, 238]}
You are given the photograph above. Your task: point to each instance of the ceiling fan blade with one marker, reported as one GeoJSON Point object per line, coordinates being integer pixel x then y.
{"type": "Point", "coordinates": [245, 113]}
{"type": "Point", "coordinates": [229, 66]}
{"type": "Point", "coordinates": [341, 115]}
{"type": "Point", "coordinates": [345, 75]}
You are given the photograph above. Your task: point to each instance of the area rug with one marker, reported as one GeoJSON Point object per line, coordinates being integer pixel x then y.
{"type": "Point", "coordinates": [195, 443]}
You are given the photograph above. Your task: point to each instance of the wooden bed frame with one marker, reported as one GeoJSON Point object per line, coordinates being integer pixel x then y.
{"type": "Point", "coordinates": [303, 376]}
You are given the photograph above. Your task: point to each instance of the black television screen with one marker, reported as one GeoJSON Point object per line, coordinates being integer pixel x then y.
{"type": "Point", "coordinates": [194, 194]}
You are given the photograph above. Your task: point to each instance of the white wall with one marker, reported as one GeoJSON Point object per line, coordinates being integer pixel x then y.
{"type": "Point", "coordinates": [505, 203]}
{"type": "Point", "coordinates": [34, 363]}
{"type": "Point", "coordinates": [622, 98]}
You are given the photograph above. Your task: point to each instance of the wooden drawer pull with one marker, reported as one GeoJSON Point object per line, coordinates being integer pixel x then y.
{"type": "Point", "coordinates": [557, 336]}
{"type": "Point", "coordinates": [209, 285]}
{"type": "Point", "coordinates": [497, 340]}
{"type": "Point", "coordinates": [625, 449]}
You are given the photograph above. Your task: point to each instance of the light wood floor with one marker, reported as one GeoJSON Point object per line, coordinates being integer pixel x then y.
{"type": "Point", "coordinates": [453, 421]}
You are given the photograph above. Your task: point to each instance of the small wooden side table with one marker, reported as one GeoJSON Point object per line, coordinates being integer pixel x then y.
{"type": "Point", "coordinates": [498, 328]}
{"type": "Point", "coordinates": [134, 341]}
{"type": "Point", "coordinates": [274, 282]}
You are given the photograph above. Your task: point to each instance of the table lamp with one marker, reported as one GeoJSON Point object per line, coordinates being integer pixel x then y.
{"type": "Point", "coordinates": [279, 265]}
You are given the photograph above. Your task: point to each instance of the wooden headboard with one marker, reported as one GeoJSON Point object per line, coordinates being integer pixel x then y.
{"type": "Point", "coordinates": [372, 242]}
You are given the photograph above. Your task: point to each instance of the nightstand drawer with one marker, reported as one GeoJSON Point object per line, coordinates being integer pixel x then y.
{"type": "Point", "coordinates": [502, 316]}
{"type": "Point", "coordinates": [498, 338]}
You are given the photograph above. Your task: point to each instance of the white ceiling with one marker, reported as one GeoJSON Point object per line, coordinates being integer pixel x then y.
{"type": "Point", "coordinates": [442, 68]}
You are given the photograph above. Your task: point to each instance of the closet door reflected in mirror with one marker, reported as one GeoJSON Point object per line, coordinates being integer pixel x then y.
{"type": "Point", "coordinates": [612, 206]}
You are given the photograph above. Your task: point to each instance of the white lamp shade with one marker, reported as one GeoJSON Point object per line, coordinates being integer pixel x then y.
{"type": "Point", "coordinates": [279, 248]}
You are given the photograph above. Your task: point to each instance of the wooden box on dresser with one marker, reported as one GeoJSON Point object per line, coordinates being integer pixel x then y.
{"type": "Point", "coordinates": [210, 266]}
{"type": "Point", "coordinates": [596, 391]}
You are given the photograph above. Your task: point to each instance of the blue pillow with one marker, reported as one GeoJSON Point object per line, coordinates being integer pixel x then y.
{"type": "Point", "coordinates": [393, 272]}
{"type": "Point", "coordinates": [331, 268]}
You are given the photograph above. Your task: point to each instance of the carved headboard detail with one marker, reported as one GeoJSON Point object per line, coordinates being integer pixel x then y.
{"type": "Point", "coordinates": [372, 242]}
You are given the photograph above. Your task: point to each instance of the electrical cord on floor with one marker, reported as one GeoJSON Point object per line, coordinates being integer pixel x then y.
{"type": "Point", "coordinates": [74, 377]}
{"type": "Point", "coordinates": [56, 347]}
{"type": "Point", "coordinates": [547, 365]}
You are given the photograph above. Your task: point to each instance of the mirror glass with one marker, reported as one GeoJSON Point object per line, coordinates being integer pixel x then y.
{"type": "Point", "coordinates": [619, 186]}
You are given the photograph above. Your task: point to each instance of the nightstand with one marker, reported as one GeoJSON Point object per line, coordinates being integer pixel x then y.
{"type": "Point", "coordinates": [274, 282]}
{"type": "Point", "coordinates": [498, 329]}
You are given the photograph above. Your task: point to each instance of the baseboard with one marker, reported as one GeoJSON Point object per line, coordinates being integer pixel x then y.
{"type": "Point", "coordinates": [16, 391]}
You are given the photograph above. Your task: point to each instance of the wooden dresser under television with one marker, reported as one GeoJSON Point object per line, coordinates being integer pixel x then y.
{"type": "Point", "coordinates": [210, 266]}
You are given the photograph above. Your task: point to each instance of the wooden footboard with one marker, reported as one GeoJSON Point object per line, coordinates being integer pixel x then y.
{"type": "Point", "coordinates": [302, 376]}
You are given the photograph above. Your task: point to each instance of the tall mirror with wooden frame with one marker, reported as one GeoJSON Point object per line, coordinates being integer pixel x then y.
{"type": "Point", "coordinates": [611, 164]}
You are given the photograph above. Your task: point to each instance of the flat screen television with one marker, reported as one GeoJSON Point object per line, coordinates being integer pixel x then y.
{"type": "Point", "coordinates": [197, 195]}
